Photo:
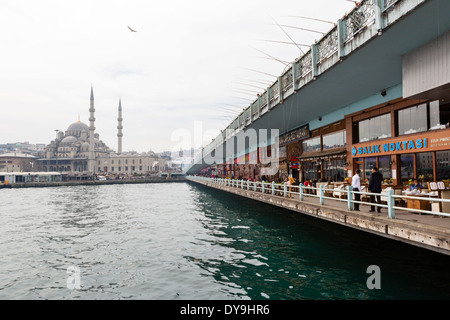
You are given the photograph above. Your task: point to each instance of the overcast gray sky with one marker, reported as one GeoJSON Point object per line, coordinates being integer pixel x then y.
{"type": "Point", "coordinates": [188, 61]}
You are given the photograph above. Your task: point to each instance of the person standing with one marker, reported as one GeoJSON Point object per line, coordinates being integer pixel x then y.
{"type": "Point", "coordinates": [375, 181]}
{"type": "Point", "coordinates": [356, 184]}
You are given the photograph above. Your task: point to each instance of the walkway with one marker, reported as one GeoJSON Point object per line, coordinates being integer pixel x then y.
{"type": "Point", "coordinates": [427, 231]}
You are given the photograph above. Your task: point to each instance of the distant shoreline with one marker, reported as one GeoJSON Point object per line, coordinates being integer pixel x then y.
{"type": "Point", "coordinates": [96, 182]}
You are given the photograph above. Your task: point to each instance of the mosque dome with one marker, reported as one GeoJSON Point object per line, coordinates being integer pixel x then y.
{"type": "Point", "coordinates": [78, 126]}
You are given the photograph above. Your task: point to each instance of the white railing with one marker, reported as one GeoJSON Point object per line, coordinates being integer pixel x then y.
{"type": "Point", "coordinates": [322, 193]}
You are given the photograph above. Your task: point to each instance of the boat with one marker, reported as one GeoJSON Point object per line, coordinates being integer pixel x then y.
{"type": "Point", "coordinates": [5, 185]}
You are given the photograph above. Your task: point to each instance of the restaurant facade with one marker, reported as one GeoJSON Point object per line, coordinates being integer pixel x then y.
{"type": "Point", "coordinates": [406, 139]}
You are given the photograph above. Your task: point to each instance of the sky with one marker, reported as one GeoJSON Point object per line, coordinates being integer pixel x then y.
{"type": "Point", "coordinates": [190, 65]}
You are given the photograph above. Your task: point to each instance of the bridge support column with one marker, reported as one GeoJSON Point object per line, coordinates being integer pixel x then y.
{"type": "Point", "coordinates": [341, 37]}
{"type": "Point", "coordinates": [314, 58]}
{"type": "Point", "coordinates": [379, 6]}
{"type": "Point", "coordinates": [294, 75]}
{"type": "Point", "coordinates": [280, 89]}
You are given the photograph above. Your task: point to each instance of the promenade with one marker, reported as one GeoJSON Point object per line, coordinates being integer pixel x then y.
{"type": "Point", "coordinates": [423, 230]}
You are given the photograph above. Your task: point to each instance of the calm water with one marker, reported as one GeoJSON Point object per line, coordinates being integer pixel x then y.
{"type": "Point", "coordinates": [183, 241]}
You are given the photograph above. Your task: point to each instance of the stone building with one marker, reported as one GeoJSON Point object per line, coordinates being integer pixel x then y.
{"type": "Point", "coordinates": [17, 162]}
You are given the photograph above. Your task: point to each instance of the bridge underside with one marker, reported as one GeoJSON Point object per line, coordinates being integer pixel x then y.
{"type": "Point", "coordinates": [366, 72]}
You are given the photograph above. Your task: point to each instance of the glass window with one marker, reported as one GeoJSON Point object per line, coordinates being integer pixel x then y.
{"type": "Point", "coordinates": [385, 169]}
{"type": "Point", "coordinates": [311, 145]}
{"type": "Point", "coordinates": [442, 165]}
{"type": "Point", "coordinates": [412, 120]}
{"type": "Point", "coordinates": [424, 163]}
{"type": "Point", "coordinates": [444, 114]}
{"type": "Point", "coordinates": [375, 128]}
{"type": "Point", "coordinates": [435, 121]}
{"type": "Point", "coordinates": [309, 171]}
{"type": "Point", "coordinates": [334, 170]}
{"type": "Point", "coordinates": [334, 140]}
{"type": "Point", "coordinates": [439, 115]}
{"type": "Point", "coordinates": [407, 167]}
{"type": "Point", "coordinates": [369, 163]}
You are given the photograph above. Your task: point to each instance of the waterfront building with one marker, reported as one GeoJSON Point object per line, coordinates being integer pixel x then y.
{"type": "Point", "coordinates": [17, 162]}
{"type": "Point", "coordinates": [79, 151]}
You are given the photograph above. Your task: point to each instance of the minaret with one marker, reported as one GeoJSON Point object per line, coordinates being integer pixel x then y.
{"type": "Point", "coordinates": [119, 128]}
{"type": "Point", "coordinates": [91, 161]}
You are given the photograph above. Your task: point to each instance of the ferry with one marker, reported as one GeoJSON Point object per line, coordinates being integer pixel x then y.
{"type": "Point", "coordinates": [5, 185]}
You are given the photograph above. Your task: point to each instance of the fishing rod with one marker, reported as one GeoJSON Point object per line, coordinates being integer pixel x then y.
{"type": "Point", "coordinates": [268, 74]}
{"type": "Point", "coordinates": [288, 36]}
{"type": "Point", "coordinates": [245, 84]}
{"type": "Point", "coordinates": [245, 91]}
{"type": "Point", "coordinates": [273, 58]}
{"type": "Point", "coordinates": [256, 81]}
{"type": "Point", "coordinates": [298, 44]}
{"type": "Point", "coordinates": [304, 29]}
{"type": "Point", "coordinates": [333, 23]}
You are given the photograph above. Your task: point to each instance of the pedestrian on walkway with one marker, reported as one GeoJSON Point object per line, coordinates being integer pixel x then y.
{"type": "Point", "coordinates": [375, 181]}
{"type": "Point", "coordinates": [356, 184]}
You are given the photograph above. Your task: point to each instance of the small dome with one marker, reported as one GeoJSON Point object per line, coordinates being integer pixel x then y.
{"type": "Point", "coordinates": [85, 146]}
{"type": "Point", "coordinates": [68, 140]}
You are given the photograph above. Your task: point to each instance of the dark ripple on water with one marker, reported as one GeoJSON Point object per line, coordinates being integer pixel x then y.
{"type": "Point", "coordinates": [178, 241]}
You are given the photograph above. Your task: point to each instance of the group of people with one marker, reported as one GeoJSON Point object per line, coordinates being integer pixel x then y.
{"type": "Point", "coordinates": [375, 181]}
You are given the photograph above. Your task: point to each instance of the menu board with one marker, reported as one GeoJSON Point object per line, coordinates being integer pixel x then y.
{"type": "Point", "coordinates": [440, 185]}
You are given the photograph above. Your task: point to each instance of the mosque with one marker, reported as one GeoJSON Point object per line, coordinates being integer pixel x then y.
{"type": "Point", "coordinates": [79, 151]}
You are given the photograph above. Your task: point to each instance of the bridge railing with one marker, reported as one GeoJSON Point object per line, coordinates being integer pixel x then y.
{"type": "Point", "coordinates": [301, 192]}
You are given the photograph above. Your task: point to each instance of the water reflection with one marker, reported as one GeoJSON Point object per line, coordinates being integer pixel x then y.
{"type": "Point", "coordinates": [183, 241]}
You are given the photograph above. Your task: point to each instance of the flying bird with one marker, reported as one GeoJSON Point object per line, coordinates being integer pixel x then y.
{"type": "Point", "coordinates": [131, 29]}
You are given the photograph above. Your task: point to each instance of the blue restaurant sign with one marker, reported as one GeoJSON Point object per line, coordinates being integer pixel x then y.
{"type": "Point", "coordinates": [398, 146]}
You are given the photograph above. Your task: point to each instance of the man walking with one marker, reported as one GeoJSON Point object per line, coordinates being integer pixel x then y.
{"type": "Point", "coordinates": [356, 184]}
{"type": "Point", "coordinates": [375, 181]}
